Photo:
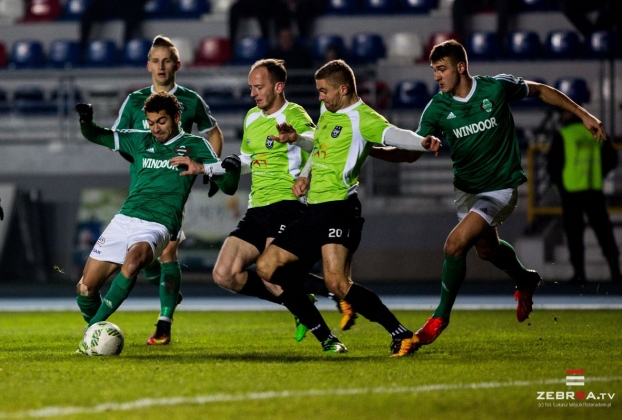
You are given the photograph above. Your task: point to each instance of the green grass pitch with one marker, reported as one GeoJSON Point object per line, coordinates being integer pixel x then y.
{"type": "Point", "coordinates": [247, 365]}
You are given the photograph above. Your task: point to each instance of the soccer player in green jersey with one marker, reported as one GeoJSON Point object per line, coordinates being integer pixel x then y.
{"type": "Point", "coordinates": [152, 213]}
{"type": "Point", "coordinates": [331, 226]}
{"type": "Point", "coordinates": [474, 115]}
{"type": "Point", "coordinates": [163, 63]}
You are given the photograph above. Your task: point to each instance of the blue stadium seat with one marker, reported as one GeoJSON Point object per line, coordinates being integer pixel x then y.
{"type": "Point", "coordinates": [483, 46]}
{"type": "Point", "coordinates": [220, 98]}
{"type": "Point", "coordinates": [380, 6]}
{"type": "Point", "coordinates": [603, 44]}
{"type": "Point", "coordinates": [135, 52]}
{"type": "Point", "coordinates": [418, 6]}
{"type": "Point", "coordinates": [250, 49]}
{"type": "Point", "coordinates": [523, 45]}
{"type": "Point", "coordinates": [563, 44]}
{"type": "Point", "coordinates": [28, 100]}
{"type": "Point", "coordinates": [27, 54]}
{"type": "Point", "coordinates": [73, 9]}
{"type": "Point", "coordinates": [367, 48]}
{"type": "Point", "coordinates": [323, 42]}
{"type": "Point", "coordinates": [101, 53]}
{"type": "Point", "coordinates": [342, 7]}
{"type": "Point", "coordinates": [158, 9]}
{"type": "Point", "coordinates": [64, 54]}
{"type": "Point", "coordinates": [410, 94]}
{"type": "Point", "coordinates": [575, 88]}
{"type": "Point", "coordinates": [5, 107]}
{"type": "Point", "coordinates": [191, 9]}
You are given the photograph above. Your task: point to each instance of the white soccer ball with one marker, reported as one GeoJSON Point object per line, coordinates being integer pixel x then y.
{"type": "Point", "coordinates": [102, 339]}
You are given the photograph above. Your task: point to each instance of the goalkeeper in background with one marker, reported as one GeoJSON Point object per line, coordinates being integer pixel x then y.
{"type": "Point", "coordinates": [152, 213]}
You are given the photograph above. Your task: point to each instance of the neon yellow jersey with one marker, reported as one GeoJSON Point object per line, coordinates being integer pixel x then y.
{"type": "Point", "coordinates": [275, 166]}
{"type": "Point", "coordinates": [341, 144]}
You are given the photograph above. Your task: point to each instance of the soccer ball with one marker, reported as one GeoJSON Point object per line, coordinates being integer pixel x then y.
{"type": "Point", "coordinates": [102, 339]}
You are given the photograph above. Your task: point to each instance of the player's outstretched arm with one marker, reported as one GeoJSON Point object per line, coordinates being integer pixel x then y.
{"type": "Point", "coordinates": [91, 131]}
{"type": "Point", "coordinates": [409, 140]}
{"type": "Point", "coordinates": [552, 96]}
{"type": "Point", "coordinates": [288, 134]}
{"type": "Point", "coordinates": [394, 155]}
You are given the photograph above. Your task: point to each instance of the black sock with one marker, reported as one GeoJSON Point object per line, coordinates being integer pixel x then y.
{"type": "Point", "coordinates": [255, 287]}
{"type": "Point", "coordinates": [368, 304]}
{"type": "Point", "coordinates": [299, 304]}
{"type": "Point", "coordinates": [315, 285]}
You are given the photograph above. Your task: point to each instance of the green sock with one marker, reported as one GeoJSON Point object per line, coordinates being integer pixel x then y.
{"type": "Point", "coordinates": [153, 272]}
{"type": "Point", "coordinates": [454, 272]}
{"type": "Point", "coordinates": [506, 260]}
{"type": "Point", "coordinates": [119, 291]}
{"type": "Point", "coordinates": [169, 288]}
{"type": "Point", "coordinates": [89, 305]}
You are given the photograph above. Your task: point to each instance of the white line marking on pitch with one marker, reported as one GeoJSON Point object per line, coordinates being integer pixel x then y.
{"type": "Point", "coordinates": [250, 396]}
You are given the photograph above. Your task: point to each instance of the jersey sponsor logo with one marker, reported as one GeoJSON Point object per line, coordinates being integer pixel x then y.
{"type": "Point", "coordinates": [475, 127]}
{"type": "Point", "coordinates": [487, 105]}
{"type": "Point", "coordinates": [181, 151]}
{"type": "Point", "coordinates": [336, 131]}
{"type": "Point", "coordinates": [101, 241]}
{"type": "Point", "coordinates": [320, 151]}
{"type": "Point", "coordinates": [269, 143]}
{"type": "Point", "coordinates": [96, 251]}
{"type": "Point", "coordinates": [150, 163]}
{"type": "Point", "coordinates": [260, 160]}
{"type": "Point", "coordinates": [451, 116]}
{"type": "Point", "coordinates": [146, 124]}
{"type": "Point", "coordinates": [150, 150]}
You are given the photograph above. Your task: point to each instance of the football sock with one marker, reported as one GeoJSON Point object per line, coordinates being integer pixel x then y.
{"type": "Point", "coordinates": [153, 272]}
{"type": "Point", "coordinates": [454, 272]}
{"type": "Point", "coordinates": [119, 291]}
{"type": "Point", "coordinates": [89, 305]}
{"type": "Point", "coordinates": [169, 288]}
{"type": "Point", "coordinates": [315, 285]}
{"type": "Point", "coordinates": [254, 286]}
{"type": "Point", "coordinates": [506, 260]}
{"type": "Point", "coordinates": [299, 304]}
{"type": "Point", "coordinates": [368, 304]}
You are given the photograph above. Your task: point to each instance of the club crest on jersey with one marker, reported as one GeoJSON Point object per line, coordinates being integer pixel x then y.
{"type": "Point", "coordinates": [336, 131]}
{"type": "Point", "coordinates": [181, 151]}
{"type": "Point", "coordinates": [269, 143]}
{"type": "Point", "coordinates": [486, 105]}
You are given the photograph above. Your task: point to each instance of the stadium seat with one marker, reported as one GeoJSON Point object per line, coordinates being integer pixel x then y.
{"type": "Point", "coordinates": [483, 46]}
{"type": "Point", "coordinates": [221, 98]}
{"type": "Point", "coordinates": [12, 10]}
{"type": "Point", "coordinates": [321, 43]}
{"type": "Point", "coordinates": [27, 54]}
{"type": "Point", "coordinates": [418, 6]}
{"type": "Point", "coordinates": [42, 10]}
{"type": "Point", "coordinates": [342, 7]}
{"type": "Point", "coordinates": [136, 51]}
{"type": "Point", "coordinates": [523, 45]}
{"type": "Point", "coordinates": [250, 49]}
{"type": "Point", "coordinates": [101, 53]}
{"type": "Point", "coordinates": [186, 50]}
{"type": "Point", "coordinates": [410, 94]}
{"type": "Point", "coordinates": [28, 100]}
{"type": "Point", "coordinates": [191, 9]}
{"type": "Point", "coordinates": [576, 88]}
{"type": "Point", "coordinates": [73, 9]}
{"type": "Point", "coordinates": [563, 44]}
{"type": "Point", "coordinates": [380, 6]}
{"type": "Point", "coordinates": [64, 54]}
{"type": "Point", "coordinates": [367, 48]}
{"type": "Point", "coordinates": [4, 57]}
{"type": "Point", "coordinates": [374, 93]}
{"type": "Point", "coordinates": [603, 44]}
{"type": "Point", "coordinates": [158, 9]}
{"type": "Point", "coordinates": [437, 38]}
{"type": "Point", "coordinates": [220, 7]}
{"type": "Point", "coordinates": [404, 47]}
{"type": "Point", "coordinates": [213, 51]}
{"type": "Point", "coordinates": [65, 102]}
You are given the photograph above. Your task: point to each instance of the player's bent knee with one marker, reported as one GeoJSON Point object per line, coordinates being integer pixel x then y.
{"type": "Point", "coordinates": [264, 270]}
{"type": "Point", "coordinates": [83, 290]}
{"type": "Point", "coordinates": [223, 277]}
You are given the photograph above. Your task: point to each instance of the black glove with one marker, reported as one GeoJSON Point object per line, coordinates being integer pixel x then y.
{"type": "Point", "coordinates": [213, 188]}
{"type": "Point", "coordinates": [85, 111]}
{"type": "Point", "coordinates": [231, 163]}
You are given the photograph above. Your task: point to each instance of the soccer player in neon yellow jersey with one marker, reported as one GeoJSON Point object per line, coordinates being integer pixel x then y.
{"type": "Point", "coordinates": [163, 63]}
{"type": "Point", "coordinates": [331, 226]}
{"type": "Point", "coordinates": [152, 213]}
{"type": "Point", "coordinates": [474, 115]}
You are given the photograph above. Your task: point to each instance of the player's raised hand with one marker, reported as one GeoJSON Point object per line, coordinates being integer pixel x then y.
{"type": "Point", "coordinates": [301, 186]}
{"type": "Point", "coordinates": [287, 133]}
{"type": "Point", "coordinates": [191, 167]}
{"type": "Point", "coordinates": [431, 144]}
{"type": "Point", "coordinates": [595, 126]}
{"type": "Point", "coordinates": [85, 111]}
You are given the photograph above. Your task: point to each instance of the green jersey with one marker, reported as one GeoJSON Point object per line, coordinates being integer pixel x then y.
{"type": "Point", "coordinates": [481, 133]}
{"type": "Point", "coordinates": [341, 144]}
{"type": "Point", "coordinates": [159, 193]}
{"type": "Point", "coordinates": [274, 166]}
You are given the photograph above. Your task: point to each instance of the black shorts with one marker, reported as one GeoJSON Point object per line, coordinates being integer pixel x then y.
{"type": "Point", "coordinates": [268, 221]}
{"type": "Point", "coordinates": [334, 222]}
